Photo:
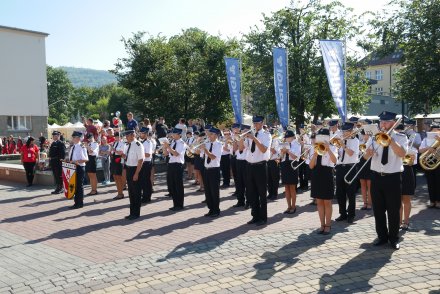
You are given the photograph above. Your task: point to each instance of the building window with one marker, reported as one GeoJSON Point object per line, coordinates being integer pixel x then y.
{"type": "Point", "coordinates": [379, 75]}
{"type": "Point", "coordinates": [19, 123]}
{"type": "Point", "coordinates": [379, 91]}
{"type": "Point", "coordinates": [368, 74]}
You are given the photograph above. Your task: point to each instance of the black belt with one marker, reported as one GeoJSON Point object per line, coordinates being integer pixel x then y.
{"type": "Point", "coordinates": [345, 165]}
{"type": "Point", "coordinates": [213, 167]}
{"type": "Point", "coordinates": [385, 174]}
{"type": "Point", "coordinates": [128, 166]}
{"type": "Point", "coordinates": [175, 163]}
{"type": "Point", "coordinates": [257, 163]}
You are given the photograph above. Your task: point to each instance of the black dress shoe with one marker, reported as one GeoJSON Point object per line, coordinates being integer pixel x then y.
{"type": "Point", "coordinates": [350, 220]}
{"type": "Point", "coordinates": [204, 201]}
{"type": "Point", "coordinates": [133, 217]}
{"type": "Point", "coordinates": [395, 245]}
{"type": "Point", "coordinates": [127, 217]}
{"type": "Point", "coordinates": [261, 223]}
{"type": "Point", "coordinates": [75, 206]}
{"type": "Point", "coordinates": [238, 205]}
{"type": "Point", "coordinates": [340, 218]}
{"type": "Point", "coordinates": [215, 214]}
{"type": "Point", "coordinates": [208, 214]}
{"type": "Point", "coordinates": [247, 206]}
{"type": "Point", "coordinates": [252, 221]}
{"type": "Point", "coordinates": [172, 208]}
{"type": "Point", "coordinates": [380, 242]}
{"type": "Point", "coordinates": [178, 208]}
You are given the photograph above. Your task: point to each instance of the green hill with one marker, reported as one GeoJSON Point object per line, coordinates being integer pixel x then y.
{"type": "Point", "coordinates": [85, 77]}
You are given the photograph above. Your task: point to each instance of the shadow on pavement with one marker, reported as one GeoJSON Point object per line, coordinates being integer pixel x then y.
{"type": "Point", "coordinates": [288, 254]}
{"type": "Point", "coordinates": [367, 264]}
{"type": "Point", "coordinates": [211, 242]}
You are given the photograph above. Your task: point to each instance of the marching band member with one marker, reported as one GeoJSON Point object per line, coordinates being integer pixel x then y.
{"type": "Point", "coordinates": [365, 173]}
{"type": "Point", "coordinates": [333, 127]}
{"type": "Point", "coordinates": [347, 156]}
{"type": "Point", "coordinates": [273, 168]}
{"type": "Point", "coordinates": [408, 182]}
{"type": "Point", "coordinates": [235, 131]}
{"type": "Point", "coordinates": [116, 165]}
{"type": "Point", "coordinates": [225, 162]}
{"type": "Point", "coordinates": [145, 174]}
{"type": "Point", "coordinates": [189, 161]}
{"type": "Point", "coordinates": [134, 155]}
{"type": "Point", "coordinates": [176, 151]}
{"type": "Point", "coordinates": [153, 142]}
{"type": "Point", "coordinates": [416, 141]}
{"type": "Point", "coordinates": [57, 152]}
{"type": "Point", "coordinates": [432, 176]}
{"type": "Point", "coordinates": [289, 176]}
{"type": "Point", "coordinates": [92, 150]}
{"type": "Point", "coordinates": [386, 184]}
{"type": "Point", "coordinates": [213, 153]}
{"type": "Point", "coordinates": [78, 156]}
{"type": "Point", "coordinates": [322, 185]}
{"type": "Point", "coordinates": [257, 156]}
{"type": "Point", "coordinates": [242, 196]}
{"type": "Point", "coordinates": [304, 140]}
{"type": "Point", "coordinates": [199, 163]}
{"type": "Point", "coordinates": [308, 148]}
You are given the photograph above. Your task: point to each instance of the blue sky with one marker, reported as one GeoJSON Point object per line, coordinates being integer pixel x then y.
{"type": "Point", "coordinates": [87, 33]}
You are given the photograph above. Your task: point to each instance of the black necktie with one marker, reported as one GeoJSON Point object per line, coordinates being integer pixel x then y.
{"type": "Point", "coordinates": [174, 145]}
{"type": "Point", "coordinates": [71, 154]}
{"type": "Point", "coordinates": [343, 152]}
{"type": "Point", "coordinates": [128, 150]}
{"type": "Point", "coordinates": [384, 159]}
{"type": "Point", "coordinates": [319, 160]}
{"type": "Point", "coordinates": [253, 143]}
{"type": "Point", "coordinates": [210, 150]}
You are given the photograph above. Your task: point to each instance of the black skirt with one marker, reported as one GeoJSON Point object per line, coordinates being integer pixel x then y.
{"type": "Point", "coordinates": [288, 175]}
{"type": "Point", "coordinates": [116, 165]}
{"type": "Point", "coordinates": [365, 173]}
{"type": "Point", "coordinates": [322, 185]}
{"type": "Point", "coordinates": [91, 164]}
{"type": "Point", "coordinates": [189, 160]}
{"type": "Point", "coordinates": [198, 162]}
{"type": "Point", "coordinates": [408, 183]}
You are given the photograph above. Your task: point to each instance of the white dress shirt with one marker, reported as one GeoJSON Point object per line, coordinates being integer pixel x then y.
{"type": "Point", "coordinates": [217, 151]}
{"type": "Point", "coordinates": [134, 152]}
{"type": "Point", "coordinates": [257, 156]}
{"type": "Point", "coordinates": [352, 144]}
{"type": "Point", "coordinates": [180, 148]}
{"type": "Point", "coordinates": [229, 149]}
{"type": "Point", "coordinates": [308, 148]}
{"type": "Point", "coordinates": [326, 161]}
{"type": "Point", "coordinates": [148, 148]}
{"type": "Point", "coordinates": [276, 147]}
{"type": "Point", "coordinates": [79, 153]}
{"type": "Point", "coordinates": [295, 148]}
{"type": "Point", "coordinates": [93, 148]}
{"type": "Point", "coordinates": [241, 155]}
{"type": "Point", "coordinates": [118, 146]}
{"type": "Point", "coordinates": [395, 163]}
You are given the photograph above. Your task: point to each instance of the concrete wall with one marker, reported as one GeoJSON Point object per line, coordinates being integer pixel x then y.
{"type": "Point", "coordinates": [23, 83]}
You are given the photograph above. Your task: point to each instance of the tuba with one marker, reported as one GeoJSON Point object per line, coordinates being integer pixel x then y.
{"type": "Point", "coordinates": [430, 161]}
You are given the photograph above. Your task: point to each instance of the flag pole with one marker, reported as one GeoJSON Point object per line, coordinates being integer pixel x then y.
{"type": "Point", "coordinates": [345, 77]}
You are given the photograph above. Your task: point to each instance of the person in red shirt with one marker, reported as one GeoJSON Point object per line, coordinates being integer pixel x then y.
{"type": "Point", "coordinates": [110, 136]}
{"type": "Point", "coordinates": [90, 129]}
{"type": "Point", "coordinates": [12, 146]}
{"type": "Point", "coordinates": [29, 157]}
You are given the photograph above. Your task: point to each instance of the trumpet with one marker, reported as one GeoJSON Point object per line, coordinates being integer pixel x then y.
{"type": "Point", "coordinates": [191, 150]}
{"type": "Point", "coordinates": [320, 148]}
{"type": "Point", "coordinates": [408, 159]}
{"type": "Point", "coordinates": [381, 138]}
{"type": "Point", "coordinates": [337, 142]}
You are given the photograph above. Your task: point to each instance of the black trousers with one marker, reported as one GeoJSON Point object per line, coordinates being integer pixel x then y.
{"type": "Point", "coordinates": [145, 181]}
{"type": "Point", "coordinates": [134, 191]}
{"type": "Point", "coordinates": [303, 175]}
{"type": "Point", "coordinates": [29, 170]}
{"type": "Point", "coordinates": [57, 170]}
{"type": "Point", "coordinates": [79, 191]}
{"type": "Point", "coordinates": [273, 178]}
{"type": "Point", "coordinates": [234, 170]}
{"type": "Point", "coordinates": [345, 191]}
{"type": "Point", "coordinates": [433, 181]}
{"type": "Point", "coordinates": [225, 165]}
{"type": "Point", "coordinates": [256, 185]}
{"type": "Point", "coordinates": [386, 197]}
{"type": "Point", "coordinates": [241, 182]}
{"type": "Point", "coordinates": [211, 180]}
{"type": "Point", "coordinates": [175, 183]}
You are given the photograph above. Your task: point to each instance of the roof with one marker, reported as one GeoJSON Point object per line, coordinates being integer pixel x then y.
{"type": "Point", "coordinates": [393, 58]}
{"type": "Point", "coordinates": [23, 30]}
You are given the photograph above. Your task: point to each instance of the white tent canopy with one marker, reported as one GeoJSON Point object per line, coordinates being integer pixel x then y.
{"type": "Point", "coordinates": [429, 116]}
{"type": "Point", "coordinates": [66, 129]}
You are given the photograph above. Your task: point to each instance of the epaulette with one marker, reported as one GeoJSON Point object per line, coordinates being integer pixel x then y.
{"type": "Point", "coordinates": [137, 143]}
{"type": "Point", "coordinates": [401, 134]}
{"type": "Point", "coordinates": [126, 143]}
{"type": "Point", "coordinates": [82, 145]}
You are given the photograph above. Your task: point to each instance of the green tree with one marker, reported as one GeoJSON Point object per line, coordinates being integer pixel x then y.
{"type": "Point", "coordinates": [414, 28]}
{"type": "Point", "coordinates": [298, 28]}
{"type": "Point", "coordinates": [183, 76]}
{"type": "Point", "coordinates": [59, 88]}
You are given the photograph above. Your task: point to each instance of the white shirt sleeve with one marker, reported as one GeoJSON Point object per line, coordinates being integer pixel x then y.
{"type": "Point", "coordinates": [140, 152]}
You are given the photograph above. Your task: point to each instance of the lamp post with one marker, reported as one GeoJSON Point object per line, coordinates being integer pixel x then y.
{"type": "Point", "coordinates": [61, 100]}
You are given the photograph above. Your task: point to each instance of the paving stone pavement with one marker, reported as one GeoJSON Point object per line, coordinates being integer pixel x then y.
{"type": "Point", "coordinates": [46, 248]}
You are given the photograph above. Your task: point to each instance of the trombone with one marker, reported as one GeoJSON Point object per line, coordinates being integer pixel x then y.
{"type": "Point", "coordinates": [383, 139]}
{"type": "Point", "coordinates": [302, 156]}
